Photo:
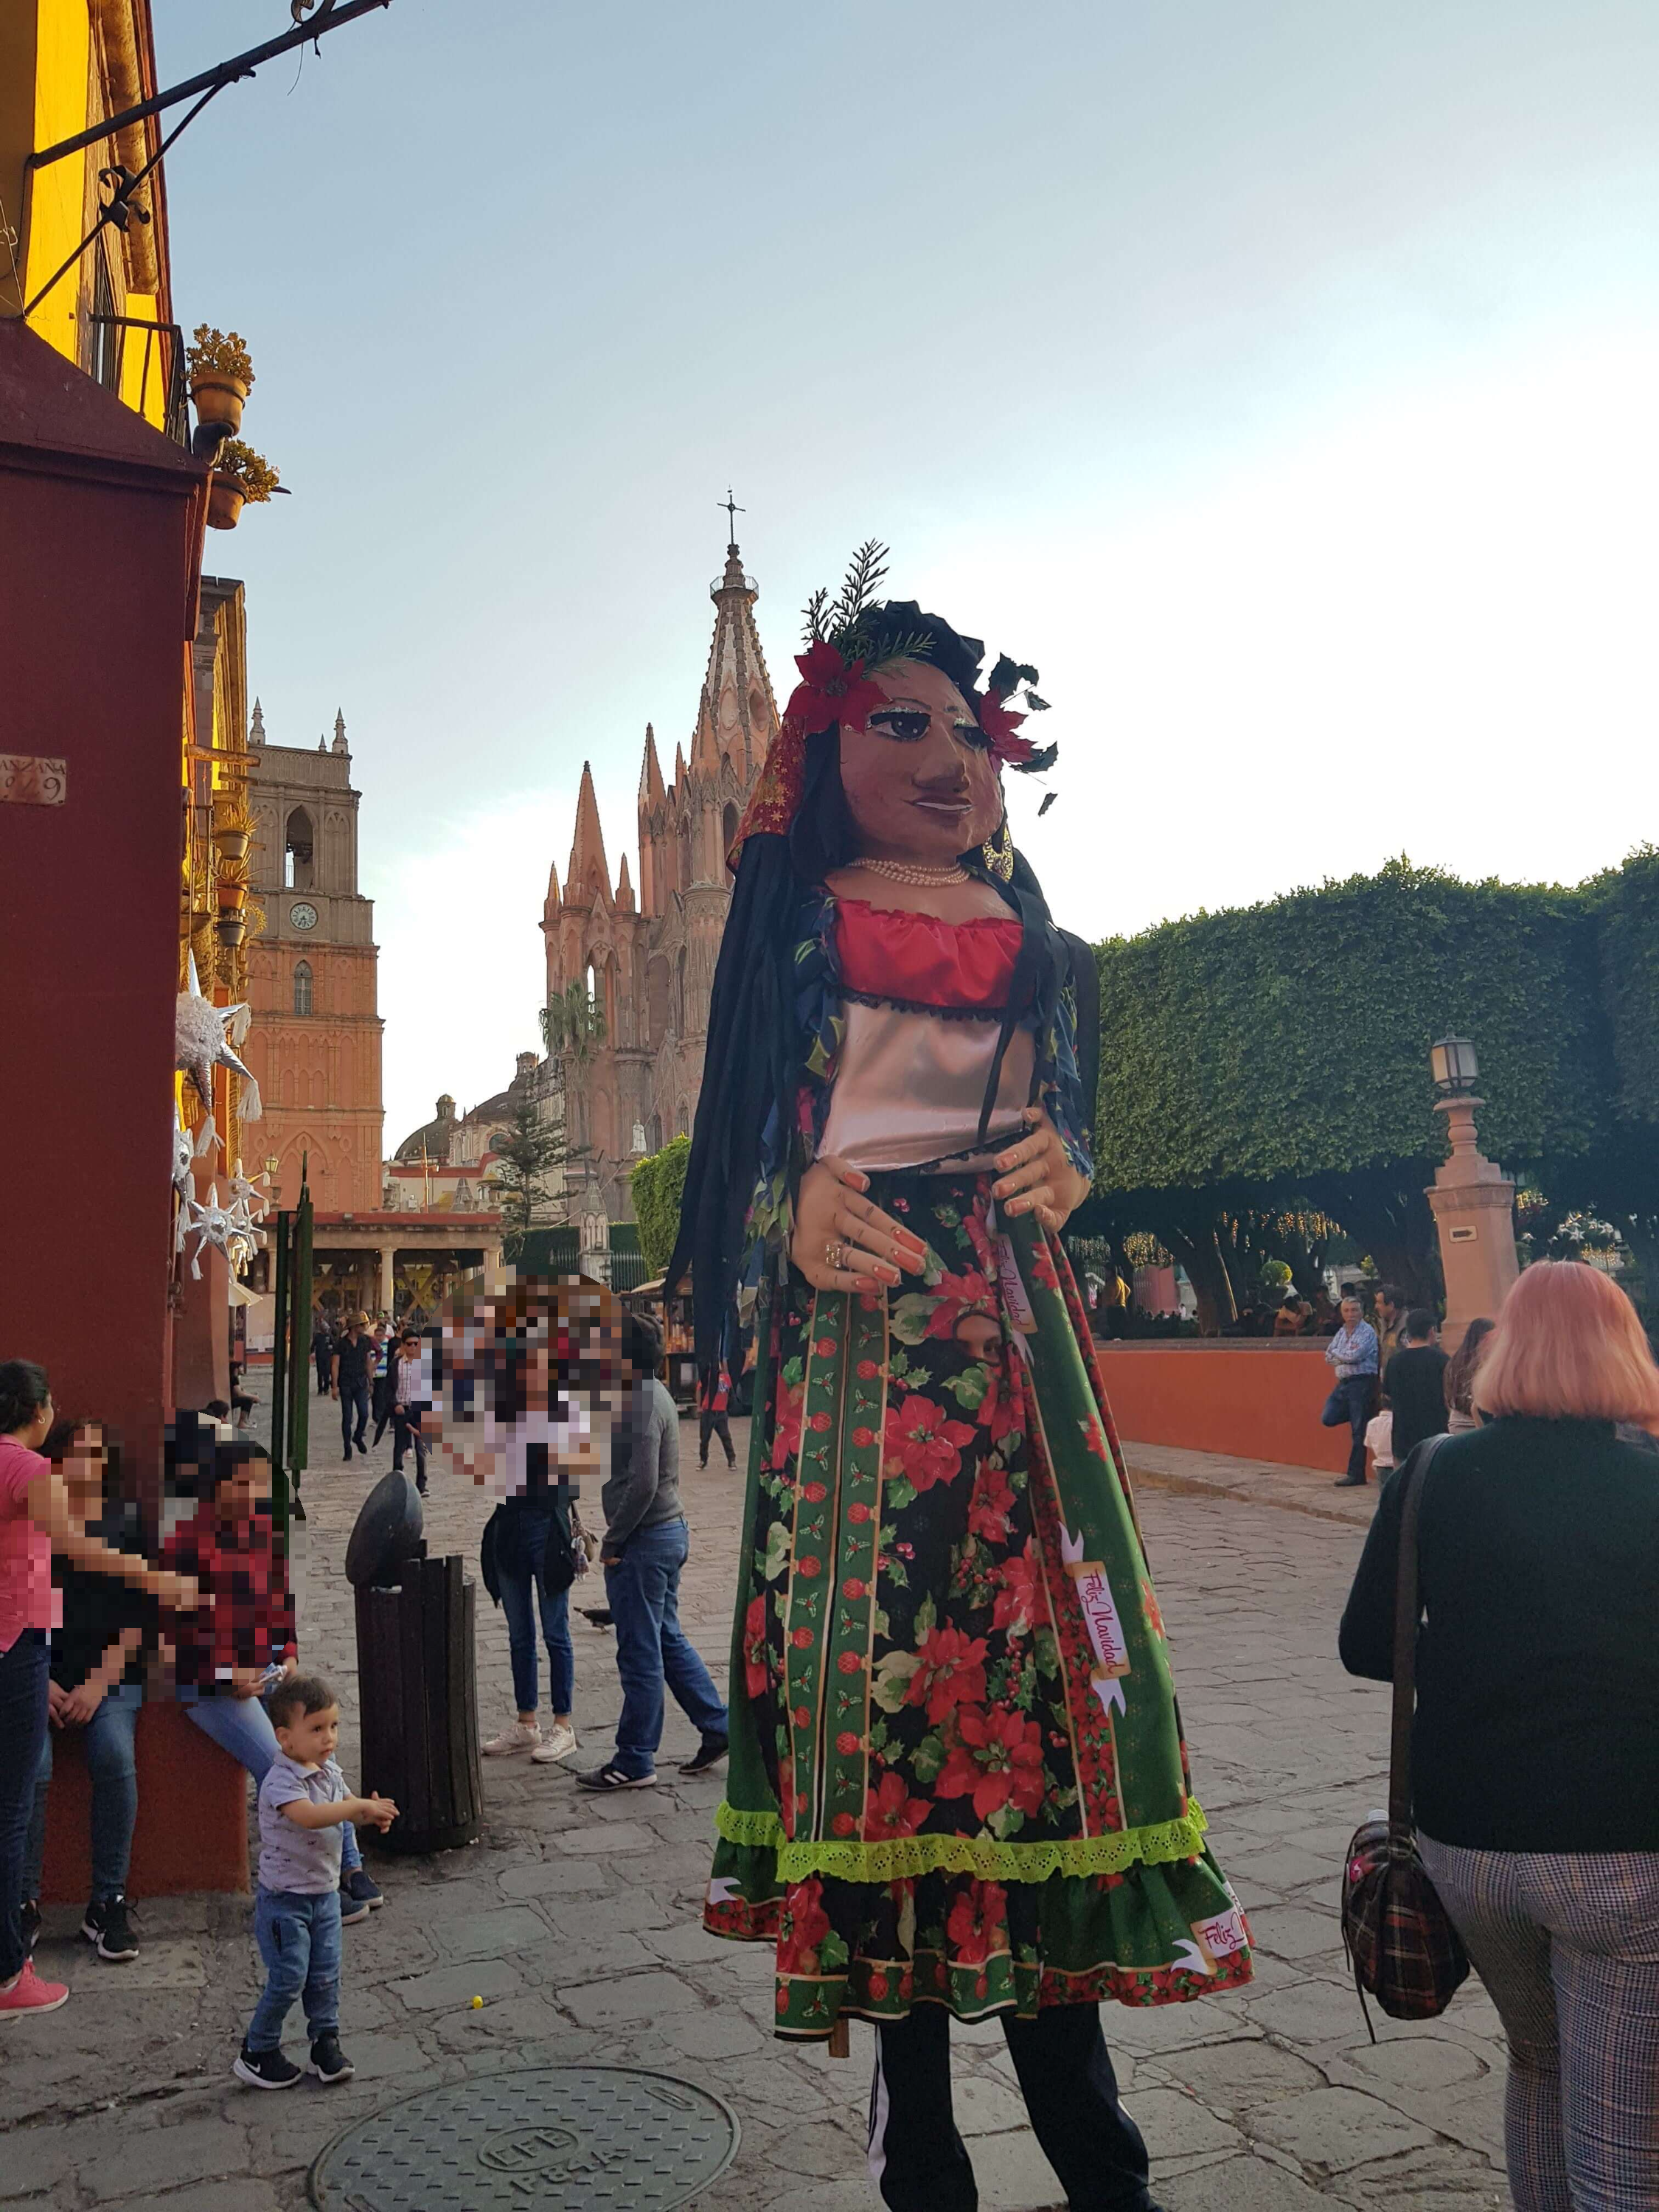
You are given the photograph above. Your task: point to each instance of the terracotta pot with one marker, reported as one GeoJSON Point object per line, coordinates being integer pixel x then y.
{"type": "Point", "coordinates": [219, 398]}
{"type": "Point", "coordinates": [231, 896]}
{"type": "Point", "coordinates": [225, 497]}
{"type": "Point", "coordinates": [232, 843]}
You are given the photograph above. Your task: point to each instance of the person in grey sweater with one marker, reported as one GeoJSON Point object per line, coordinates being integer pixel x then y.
{"type": "Point", "coordinates": [645, 1545]}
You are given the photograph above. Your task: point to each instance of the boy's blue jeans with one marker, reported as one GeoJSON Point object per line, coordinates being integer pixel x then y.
{"type": "Point", "coordinates": [652, 1648]}
{"type": "Point", "coordinates": [299, 1940]}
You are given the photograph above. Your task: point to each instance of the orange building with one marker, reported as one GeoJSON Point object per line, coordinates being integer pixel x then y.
{"type": "Point", "coordinates": [315, 1042]}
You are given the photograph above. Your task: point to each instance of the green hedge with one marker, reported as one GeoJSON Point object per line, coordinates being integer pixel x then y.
{"type": "Point", "coordinates": [1271, 1044]}
{"type": "Point", "coordinates": [657, 1184]}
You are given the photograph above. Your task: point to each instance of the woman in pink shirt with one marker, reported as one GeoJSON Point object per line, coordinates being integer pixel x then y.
{"type": "Point", "coordinates": [34, 1521]}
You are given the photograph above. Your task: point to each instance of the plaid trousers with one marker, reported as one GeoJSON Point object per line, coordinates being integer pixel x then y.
{"type": "Point", "coordinates": [1567, 1944]}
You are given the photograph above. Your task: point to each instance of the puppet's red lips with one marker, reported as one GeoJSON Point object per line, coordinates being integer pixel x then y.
{"type": "Point", "coordinates": [952, 806]}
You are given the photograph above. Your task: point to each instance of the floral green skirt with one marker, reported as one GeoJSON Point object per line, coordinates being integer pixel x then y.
{"type": "Point", "coordinates": [956, 1771]}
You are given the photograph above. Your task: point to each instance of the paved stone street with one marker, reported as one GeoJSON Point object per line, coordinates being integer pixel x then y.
{"type": "Point", "coordinates": [576, 1922]}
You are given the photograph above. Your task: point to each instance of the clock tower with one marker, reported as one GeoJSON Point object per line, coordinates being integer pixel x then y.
{"type": "Point", "coordinates": [315, 1042]}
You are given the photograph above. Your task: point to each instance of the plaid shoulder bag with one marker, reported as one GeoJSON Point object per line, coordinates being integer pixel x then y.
{"type": "Point", "coordinates": [1400, 1941]}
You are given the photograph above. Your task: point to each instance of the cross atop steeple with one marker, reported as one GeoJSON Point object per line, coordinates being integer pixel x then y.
{"type": "Point", "coordinates": [732, 511]}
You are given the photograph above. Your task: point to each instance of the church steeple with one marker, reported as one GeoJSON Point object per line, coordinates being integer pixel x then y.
{"type": "Point", "coordinates": [340, 745]}
{"type": "Point", "coordinates": [589, 874]}
{"type": "Point", "coordinates": [737, 714]}
{"type": "Point", "coordinates": [255, 728]}
{"type": "Point", "coordinates": [651, 784]}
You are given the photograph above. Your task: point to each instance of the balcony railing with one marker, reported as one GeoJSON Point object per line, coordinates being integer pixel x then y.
{"type": "Point", "coordinates": [157, 379]}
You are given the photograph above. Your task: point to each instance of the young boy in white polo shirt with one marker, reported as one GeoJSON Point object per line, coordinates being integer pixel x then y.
{"type": "Point", "coordinates": [296, 1919]}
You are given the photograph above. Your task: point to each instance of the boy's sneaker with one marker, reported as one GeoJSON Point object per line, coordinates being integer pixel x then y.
{"type": "Point", "coordinates": [266, 2069]}
{"type": "Point", "coordinates": [28, 1993]}
{"type": "Point", "coordinates": [611, 1776]}
{"type": "Point", "coordinates": [558, 1743]}
{"type": "Point", "coordinates": [28, 1921]}
{"type": "Point", "coordinates": [108, 1931]}
{"type": "Point", "coordinates": [360, 1895]}
{"type": "Point", "coordinates": [518, 1736]}
{"type": "Point", "coordinates": [328, 2061]}
{"type": "Point", "coordinates": [709, 1753]}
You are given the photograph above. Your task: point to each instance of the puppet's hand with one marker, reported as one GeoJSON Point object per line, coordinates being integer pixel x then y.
{"type": "Point", "coordinates": [1036, 1177]}
{"type": "Point", "coordinates": [843, 1241]}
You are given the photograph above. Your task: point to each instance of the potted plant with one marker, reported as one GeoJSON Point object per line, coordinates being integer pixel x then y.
{"type": "Point", "coordinates": [221, 376]}
{"type": "Point", "coordinates": [239, 474]}
{"type": "Point", "coordinates": [233, 827]}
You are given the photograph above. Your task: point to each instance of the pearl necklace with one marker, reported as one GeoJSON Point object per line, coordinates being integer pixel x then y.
{"type": "Point", "coordinates": [897, 873]}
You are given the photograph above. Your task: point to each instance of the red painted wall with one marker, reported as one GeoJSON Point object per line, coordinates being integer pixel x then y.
{"type": "Point", "coordinates": [100, 531]}
{"type": "Point", "coordinates": [1252, 1400]}
{"type": "Point", "coordinates": [191, 1829]}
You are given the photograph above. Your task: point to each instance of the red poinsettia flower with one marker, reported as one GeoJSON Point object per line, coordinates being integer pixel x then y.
{"type": "Point", "coordinates": [790, 1402]}
{"type": "Point", "coordinates": [956, 1295]}
{"type": "Point", "coordinates": [803, 1926]}
{"type": "Point", "coordinates": [978, 1921]}
{"type": "Point", "coordinates": [1022, 1599]}
{"type": "Point", "coordinates": [992, 1503]}
{"type": "Point", "coordinates": [996, 1758]}
{"type": "Point", "coordinates": [999, 726]}
{"type": "Point", "coordinates": [754, 1646]}
{"type": "Point", "coordinates": [951, 1672]}
{"type": "Point", "coordinates": [922, 1443]}
{"type": "Point", "coordinates": [831, 690]}
{"type": "Point", "coordinates": [890, 1810]}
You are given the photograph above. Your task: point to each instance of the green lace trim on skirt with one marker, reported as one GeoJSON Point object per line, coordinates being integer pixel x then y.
{"type": "Point", "coordinates": [903, 1859]}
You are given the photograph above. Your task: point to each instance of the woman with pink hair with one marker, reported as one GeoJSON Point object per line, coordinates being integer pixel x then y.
{"type": "Point", "coordinates": [1535, 1747]}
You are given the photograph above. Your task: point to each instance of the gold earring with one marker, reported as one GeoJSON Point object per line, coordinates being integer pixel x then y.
{"type": "Point", "coordinates": [998, 853]}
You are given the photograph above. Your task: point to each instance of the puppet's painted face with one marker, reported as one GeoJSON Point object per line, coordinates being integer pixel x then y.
{"type": "Point", "coordinates": [918, 777]}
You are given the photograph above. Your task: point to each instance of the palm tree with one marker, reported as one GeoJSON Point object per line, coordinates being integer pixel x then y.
{"type": "Point", "coordinates": [573, 1023]}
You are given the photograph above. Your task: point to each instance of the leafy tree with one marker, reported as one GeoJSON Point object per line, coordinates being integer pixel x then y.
{"type": "Point", "coordinates": [573, 1023]}
{"type": "Point", "coordinates": [527, 1152]}
{"type": "Point", "coordinates": [657, 1184]}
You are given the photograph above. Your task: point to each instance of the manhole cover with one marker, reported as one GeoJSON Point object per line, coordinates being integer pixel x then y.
{"type": "Point", "coordinates": [558, 2138]}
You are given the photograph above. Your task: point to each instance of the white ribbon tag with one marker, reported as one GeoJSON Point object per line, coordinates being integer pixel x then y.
{"type": "Point", "coordinates": [1111, 1646]}
{"type": "Point", "coordinates": [1013, 1286]}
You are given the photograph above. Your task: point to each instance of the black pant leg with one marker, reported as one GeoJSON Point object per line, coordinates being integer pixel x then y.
{"type": "Point", "coordinates": [918, 2162]}
{"type": "Point", "coordinates": [1070, 2090]}
{"type": "Point", "coordinates": [1360, 1393]}
{"type": "Point", "coordinates": [705, 1423]}
{"type": "Point", "coordinates": [723, 1430]}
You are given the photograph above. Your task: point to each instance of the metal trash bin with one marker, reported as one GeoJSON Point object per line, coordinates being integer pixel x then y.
{"type": "Point", "coordinates": [418, 1691]}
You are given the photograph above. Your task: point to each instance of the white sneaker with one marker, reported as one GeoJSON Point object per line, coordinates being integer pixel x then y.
{"type": "Point", "coordinates": [519, 1736]}
{"type": "Point", "coordinates": [558, 1743]}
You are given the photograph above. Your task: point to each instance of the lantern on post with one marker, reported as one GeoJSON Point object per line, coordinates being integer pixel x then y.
{"type": "Point", "coordinates": [1472, 1199]}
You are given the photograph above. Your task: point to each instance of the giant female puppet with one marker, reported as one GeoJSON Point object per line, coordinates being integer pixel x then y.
{"type": "Point", "coordinates": [957, 1783]}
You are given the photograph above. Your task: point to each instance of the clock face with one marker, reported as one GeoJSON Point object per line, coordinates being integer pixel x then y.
{"type": "Point", "coordinates": [303, 914]}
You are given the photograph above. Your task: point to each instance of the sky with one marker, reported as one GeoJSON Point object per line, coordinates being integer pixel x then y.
{"type": "Point", "coordinates": [1278, 378]}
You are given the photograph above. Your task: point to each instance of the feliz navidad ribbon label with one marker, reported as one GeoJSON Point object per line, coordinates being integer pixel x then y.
{"type": "Point", "coordinates": [1100, 1614]}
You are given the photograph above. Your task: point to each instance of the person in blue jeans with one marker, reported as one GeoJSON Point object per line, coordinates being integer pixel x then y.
{"type": "Point", "coordinates": [645, 1545]}
{"type": "Point", "coordinates": [1354, 1357]}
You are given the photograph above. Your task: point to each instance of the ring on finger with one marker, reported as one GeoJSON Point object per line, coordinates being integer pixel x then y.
{"type": "Point", "coordinates": [834, 1256]}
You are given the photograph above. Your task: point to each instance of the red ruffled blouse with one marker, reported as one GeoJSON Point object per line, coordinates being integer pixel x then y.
{"type": "Point", "coordinates": [915, 959]}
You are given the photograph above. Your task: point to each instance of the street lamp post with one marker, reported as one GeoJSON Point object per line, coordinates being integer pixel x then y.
{"type": "Point", "coordinates": [1472, 1199]}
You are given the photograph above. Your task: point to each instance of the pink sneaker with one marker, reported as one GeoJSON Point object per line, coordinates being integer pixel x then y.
{"type": "Point", "coordinates": [28, 1993]}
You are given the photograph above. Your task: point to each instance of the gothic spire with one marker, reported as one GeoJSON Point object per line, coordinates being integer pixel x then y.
{"type": "Point", "coordinates": [550, 904]}
{"type": "Point", "coordinates": [651, 790]}
{"type": "Point", "coordinates": [737, 714]}
{"type": "Point", "coordinates": [339, 731]}
{"type": "Point", "coordinates": [256, 729]}
{"type": "Point", "coordinates": [588, 873]}
{"type": "Point", "coordinates": [624, 888]}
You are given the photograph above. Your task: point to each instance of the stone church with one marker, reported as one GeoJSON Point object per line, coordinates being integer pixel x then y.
{"type": "Point", "coordinates": [647, 962]}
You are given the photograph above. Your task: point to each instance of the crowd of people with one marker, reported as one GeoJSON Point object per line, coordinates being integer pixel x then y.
{"type": "Point", "coordinates": [1535, 1781]}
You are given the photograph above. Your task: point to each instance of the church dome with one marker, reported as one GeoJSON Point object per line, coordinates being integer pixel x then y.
{"type": "Point", "coordinates": [432, 1137]}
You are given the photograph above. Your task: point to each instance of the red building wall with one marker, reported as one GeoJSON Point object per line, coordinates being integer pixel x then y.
{"type": "Point", "coordinates": [1251, 1400]}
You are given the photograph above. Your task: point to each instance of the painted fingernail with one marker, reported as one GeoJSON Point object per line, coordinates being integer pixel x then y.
{"type": "Point", "coordinates": [865, 1283]}
{"type": "Point", "coordinates": [890, 1275]}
